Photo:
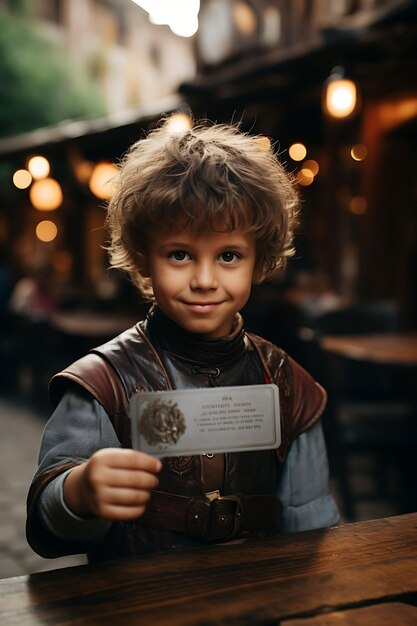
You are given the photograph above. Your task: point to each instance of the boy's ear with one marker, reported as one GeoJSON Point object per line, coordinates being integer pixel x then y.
{"type": "Point", "coordinates": [143, 265]}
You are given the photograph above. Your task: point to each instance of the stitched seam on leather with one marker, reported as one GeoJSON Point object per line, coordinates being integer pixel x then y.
{"type": "Point", "coordinates": [253, 339]}
{"type": "Point", "coordinates": [154, 354]}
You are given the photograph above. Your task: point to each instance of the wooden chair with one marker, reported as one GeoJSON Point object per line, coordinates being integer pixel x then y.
{"type": "Point", "coordinates": [370, 409]}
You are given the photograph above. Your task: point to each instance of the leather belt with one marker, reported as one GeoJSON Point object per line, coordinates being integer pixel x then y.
{"type": "Point", "coordinates": [213, 519]}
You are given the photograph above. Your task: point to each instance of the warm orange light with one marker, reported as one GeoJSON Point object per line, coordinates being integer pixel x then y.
{"type": "Point", "coordinates": [46, 194]}
{"type": "Point", "coordinates": [46, 231]}
{"type": "Point", "coordinates": [305, 177]}
{"type": "Point", "coordinates": [340, 96]}
{"type": "Point", "coordinates": [311, 165]}
{"type": "Point", "coordinates": [359, 152]}
{"type": "Point", "coordinates": [83, 171]}
{"type": "Point", "coordinates": [39, 167]}
{"type": "Point", "coordinates": [22, 179]}
{"type": "Point", "coordinates": [358, 205]}
{"type": "Point", "coordinates": [244, 18]}
{"type": "Point", "coordinates": [178, 123]}
{"type": "Point", "coordinates": [103, 179]}
{"type": "Point", "coordinates": [297, 151]}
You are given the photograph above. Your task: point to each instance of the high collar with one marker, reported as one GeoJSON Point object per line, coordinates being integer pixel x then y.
{"type": "Point", "coordinates": [195, 348]}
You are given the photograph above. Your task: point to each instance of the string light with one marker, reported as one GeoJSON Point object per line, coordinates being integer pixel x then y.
{"type": "Point", "coordinates": [305, 177]}
{"type": "Point", "coordinates": [311, 165]}
{"type": "Point", "coordinates": [340, 94]}
{"type": "Point", "coordinates": [102, 180]}
{"type": "Point", "coordinates": [178, 123]}
{"type": "Point", "coordinates": [297, 151]}
{"type": "Point", "coordinates": [22, 179]}
{"type": "Point", "coordinates": [46, 194]}
{"type": "Point", "coordinates": [46, 231]}
{"type": "Point", "coordinates": [39, 167]}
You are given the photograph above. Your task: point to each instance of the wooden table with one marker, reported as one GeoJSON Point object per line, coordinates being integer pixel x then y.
{"type": "Point", "coordinates": [386, 614]}
{"type": "Point", "coordinates": [260, 581]}
{"type": "Point", "coordinates": [386, 349]}
{"type": "Point", "coordinates": [84, 323]}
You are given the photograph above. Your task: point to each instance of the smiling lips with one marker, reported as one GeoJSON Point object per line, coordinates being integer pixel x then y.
{"type": "Point", "coordinates": [202, 307]}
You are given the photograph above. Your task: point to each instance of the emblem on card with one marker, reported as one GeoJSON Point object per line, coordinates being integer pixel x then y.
{"type": "Point", "coordinates": [161, 423]}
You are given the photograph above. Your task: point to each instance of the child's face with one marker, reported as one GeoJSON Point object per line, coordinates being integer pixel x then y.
{"type": "Point", "coordinates": [202, 281]}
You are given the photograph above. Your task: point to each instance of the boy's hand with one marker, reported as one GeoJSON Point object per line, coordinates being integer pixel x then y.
{"type": "Point", "coordinates": [114, 484]}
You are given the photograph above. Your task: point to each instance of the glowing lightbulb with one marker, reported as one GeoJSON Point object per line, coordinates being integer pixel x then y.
{"type": "Point", "coordinates": [102, 180]}
{"type": "Point", "coordinates": [46, 194]}
{"type": "Point", "coordinates": [305, 177]}
{"type": "Point", "coordinates": [340, 94]}
{"type": "Point", "coordinates": [22, 179]}
{"type": "Point", "coordinates": [178, 123]}
{"type": "Point", "coordinates": [39, 167]}
{"type": "Point", "coordinates": [46, 231]}
{"type": "Point", "coordinates": [297, 151]}
{"type": "Point", "coordinates": [311, 165]}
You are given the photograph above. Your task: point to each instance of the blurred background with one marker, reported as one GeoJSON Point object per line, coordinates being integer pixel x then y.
{"type": "Point", "coordinates": [333, 84]}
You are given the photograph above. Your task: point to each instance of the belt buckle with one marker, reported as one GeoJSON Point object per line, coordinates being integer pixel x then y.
{"type": "Point", "coordinates": [221, 518]}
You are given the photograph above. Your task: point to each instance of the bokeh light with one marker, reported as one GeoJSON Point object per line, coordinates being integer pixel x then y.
{"type": "Point", "coordinates": [305, 177]}
{"type": "Point", "coordinates": [178, 123]}
{"type": "Point", "coordinates": [22, 179]}
{"type": "Point", "coordinates": [245, 18]}
{"type": "Point", "coordinates": [358, 205]}
{"type": "Point", "coordinates": [340, 97]}
{"type": "Point", "coordinates": [311, 165]}
{"type": "Point", "coordinates": [39, 167]}
{"type": "Point", "coordinates": [102, 180]}
{"type": "Point", "coordinates": [297, 151]}
{"type": "Point", "coordinates": [359, 152]}
{"type": "Point", "coordinates": [83, 171]}
{"type": "Point", "coordinates": [46, 194]}
{"type": "Point", "coordinates": [46, 231]}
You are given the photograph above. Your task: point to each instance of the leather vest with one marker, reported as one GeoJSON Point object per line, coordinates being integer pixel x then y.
{"type": "Point", "coordinates": [129, 363]}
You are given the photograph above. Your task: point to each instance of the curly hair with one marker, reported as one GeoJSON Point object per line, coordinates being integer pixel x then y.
{"type": "Point", "coordinates": [211, 178]}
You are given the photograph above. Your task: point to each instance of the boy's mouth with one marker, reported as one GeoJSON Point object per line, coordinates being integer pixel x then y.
{"type": "Point", "coordinates": [202, 307]}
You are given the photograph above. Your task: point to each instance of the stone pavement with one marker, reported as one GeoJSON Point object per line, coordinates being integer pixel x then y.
{"type": "Point", "coordinates": [21, 431]}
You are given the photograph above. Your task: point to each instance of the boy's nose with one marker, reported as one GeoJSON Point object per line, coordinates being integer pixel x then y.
{"type": "Point", "coordinates": [204, 277]}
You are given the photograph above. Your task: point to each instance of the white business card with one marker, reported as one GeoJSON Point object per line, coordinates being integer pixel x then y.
{"type": "Point", "coordinates": [197, 421]}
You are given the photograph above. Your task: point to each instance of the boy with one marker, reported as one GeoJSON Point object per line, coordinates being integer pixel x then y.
{"type": "Point", "coordinates": [195, 219]}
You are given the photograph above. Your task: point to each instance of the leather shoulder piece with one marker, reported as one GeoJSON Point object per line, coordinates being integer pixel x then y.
{"type": "Point", "coordinates": [96, 376]}
{"type": "Point", "coordinates": [302, 400]}
{"type": "Point", "coordinates": [112, 372]}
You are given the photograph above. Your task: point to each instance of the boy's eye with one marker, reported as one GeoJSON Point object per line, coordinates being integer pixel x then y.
{"type": "Point", "coordinates": [228, 257]}
{"type": "Point", "coordinates": [179, 255]}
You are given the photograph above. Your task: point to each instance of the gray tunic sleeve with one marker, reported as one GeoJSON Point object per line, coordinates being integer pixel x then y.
{"type": "Point", "coordinates": [78, 427]}
{"type": "Point", "coordinates": [304, 485]}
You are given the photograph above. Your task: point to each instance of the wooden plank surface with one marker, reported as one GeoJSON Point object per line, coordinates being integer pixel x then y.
{"type": "Point", "coordinates": [386, 349]}
{"type": "Point", "coordinates": [386, 614]}
{"type": "Point", "coordinates": [258, 581]}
